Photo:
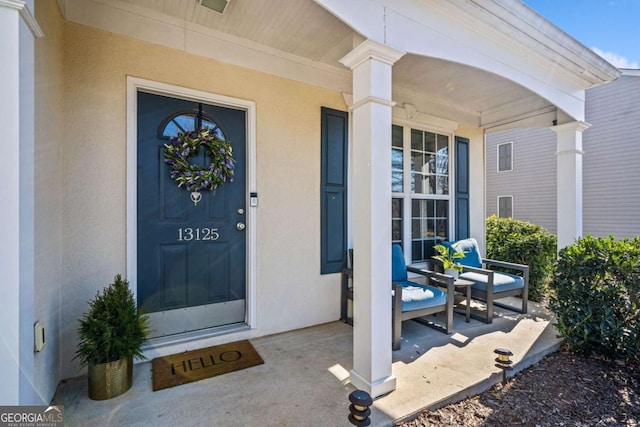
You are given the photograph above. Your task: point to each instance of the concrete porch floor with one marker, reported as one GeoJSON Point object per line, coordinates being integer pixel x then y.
{"type": "Point", "coordinates": [304, 380]}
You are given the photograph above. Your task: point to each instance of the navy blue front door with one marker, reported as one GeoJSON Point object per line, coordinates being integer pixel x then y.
{"type": "Point", "coordinates": [191, 257]}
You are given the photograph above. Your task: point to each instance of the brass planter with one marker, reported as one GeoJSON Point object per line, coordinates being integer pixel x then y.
{"type": "Point", "coordinates": [107, 380]}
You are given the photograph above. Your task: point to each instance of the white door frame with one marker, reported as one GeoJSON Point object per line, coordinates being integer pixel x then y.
{"type": "Point", "coordinates": [135, 84]}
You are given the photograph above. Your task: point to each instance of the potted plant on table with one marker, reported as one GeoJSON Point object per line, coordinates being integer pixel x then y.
{"type": "Point", "coordinates": [111, 334]}
{"type": "Point", "coordinates": [448, 256]}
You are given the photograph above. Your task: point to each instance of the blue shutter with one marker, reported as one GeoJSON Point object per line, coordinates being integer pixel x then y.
{"type": "Point", "coordinates": [333, 191]}
{"type": "Point", "coordinates": [462, 188]}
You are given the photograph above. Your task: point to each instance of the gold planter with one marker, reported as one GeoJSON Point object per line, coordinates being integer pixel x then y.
{"type": "Point", "coordinates": [107, 380]}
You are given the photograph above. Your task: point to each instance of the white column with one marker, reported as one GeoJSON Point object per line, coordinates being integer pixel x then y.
{"type": "Point", "coordinates": [10, 201]}
{"type": "Point", "coordinates": [18, 28]}
{"type": "Point", "coordinates": [371, 63]}
{"type": "Point", "coordinates": [569, 181]}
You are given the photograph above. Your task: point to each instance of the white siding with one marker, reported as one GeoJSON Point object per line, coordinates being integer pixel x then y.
{"type": "Point", "coordinates": [611, 169]}
{"type": "Point", "coordinates": [532, 182]}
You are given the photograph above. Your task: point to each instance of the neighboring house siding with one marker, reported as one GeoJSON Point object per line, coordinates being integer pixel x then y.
{"type": "Point", "coordinates": [611, 195]}
{"type": "Point", "coordinates": [532, 182]}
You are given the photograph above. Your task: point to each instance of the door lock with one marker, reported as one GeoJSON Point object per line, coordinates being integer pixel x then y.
{"type": "Point", "coordinates": [240, 226]}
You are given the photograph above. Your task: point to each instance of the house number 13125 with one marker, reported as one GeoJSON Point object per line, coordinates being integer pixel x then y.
{"type": "Point", "coordinates": [187, 234]}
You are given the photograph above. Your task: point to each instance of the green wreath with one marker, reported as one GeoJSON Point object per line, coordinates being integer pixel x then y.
{"type": "Point", "coordinates": [196, 178]}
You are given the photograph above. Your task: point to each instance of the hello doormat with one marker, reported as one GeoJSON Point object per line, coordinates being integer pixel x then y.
{"type": "Point", "coordinates": [195, 365]}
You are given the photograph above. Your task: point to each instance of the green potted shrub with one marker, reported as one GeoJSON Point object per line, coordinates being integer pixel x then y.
{"type": "Point", "coordinates": [111, 334]}
{"type": "Point", "coordinates": [448, 259]}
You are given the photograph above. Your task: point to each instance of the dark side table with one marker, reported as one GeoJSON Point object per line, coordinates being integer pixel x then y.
{"type": "Point", "coordinates": [464, 286]}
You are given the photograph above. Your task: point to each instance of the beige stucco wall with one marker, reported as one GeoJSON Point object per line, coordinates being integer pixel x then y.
{"type": "Point", "coordinates": [49, 130]}
{"type": "Point", "coordinates": [81, 118]}
{"type": "Point", "coordinates": [290, 291]}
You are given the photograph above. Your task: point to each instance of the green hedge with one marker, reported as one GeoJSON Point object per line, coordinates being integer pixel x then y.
{"type": "Point", "coordinates": [522, 242]}
{"type": "Point", "coordinates": [595, 296]}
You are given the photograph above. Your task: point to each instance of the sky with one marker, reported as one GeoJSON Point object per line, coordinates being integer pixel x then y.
{"type": "Point", "coordinates": [608, 27]}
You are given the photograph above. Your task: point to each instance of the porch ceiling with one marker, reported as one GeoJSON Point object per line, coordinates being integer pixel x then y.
{"type": "Point", "coordinates": [297, 27]}
{"type": "Point", "coordinates": [462, 93]}
{"type": "Point", "coordinates": [303, 31]}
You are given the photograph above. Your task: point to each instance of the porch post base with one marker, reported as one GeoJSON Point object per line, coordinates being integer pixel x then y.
{"type": "Point", "coordinates": [376, 388]}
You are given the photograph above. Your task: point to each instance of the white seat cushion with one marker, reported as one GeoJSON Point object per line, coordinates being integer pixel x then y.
{"type": "Point", "coordinates": [414, 293]}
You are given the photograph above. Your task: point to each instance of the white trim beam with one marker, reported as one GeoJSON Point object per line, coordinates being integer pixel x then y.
{"type": "Point", "coordinates": [26, 15]}
{"type": "Point", "coordinates": [489, 35]}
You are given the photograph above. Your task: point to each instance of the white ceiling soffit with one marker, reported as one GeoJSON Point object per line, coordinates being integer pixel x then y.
{"type": "Point", "coordinates": [446, 89]}
{"type": "Point", "coordinates": [300, 40]}
{"type": "Point", "coordinates": [297, 27]}
{"type": "Point", "coordinates": [275, 36]}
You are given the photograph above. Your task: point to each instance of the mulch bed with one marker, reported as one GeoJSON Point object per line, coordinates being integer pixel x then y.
{"type": "Point", "coordinates": [563, 389]}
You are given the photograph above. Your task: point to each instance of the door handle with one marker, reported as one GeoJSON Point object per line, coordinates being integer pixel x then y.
{"type": "Point", "coordinates": [240, 226]}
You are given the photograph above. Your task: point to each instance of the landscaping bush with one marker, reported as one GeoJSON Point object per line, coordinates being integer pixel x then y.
{"type": "Point", "coordinates": [522, 242]}
{"type": "Point", "coordinates": [595, 293]}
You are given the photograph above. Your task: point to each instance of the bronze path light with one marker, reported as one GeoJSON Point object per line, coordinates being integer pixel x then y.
{"type": "Point", "coordinates": [359, 408]}
{"type": "Point", "coordinates": [503, 362]}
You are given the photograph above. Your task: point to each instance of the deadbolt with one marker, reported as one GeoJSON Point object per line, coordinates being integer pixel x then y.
{"type": "Point", "coordinates": [240, 211]}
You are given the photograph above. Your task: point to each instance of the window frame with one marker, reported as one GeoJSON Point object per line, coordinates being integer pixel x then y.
{"type": "Point", "coordinates": [510, 143]}
{"type": "Point", "coordinates": [407, 196]}
{"type": "Point", "coordinates": [498, 206]}
{"type": "Point", "coordinates": [198, 117]}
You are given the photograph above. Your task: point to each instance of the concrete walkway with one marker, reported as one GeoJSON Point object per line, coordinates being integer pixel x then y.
{"type": "Point", "coordinates": [304, 380]}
